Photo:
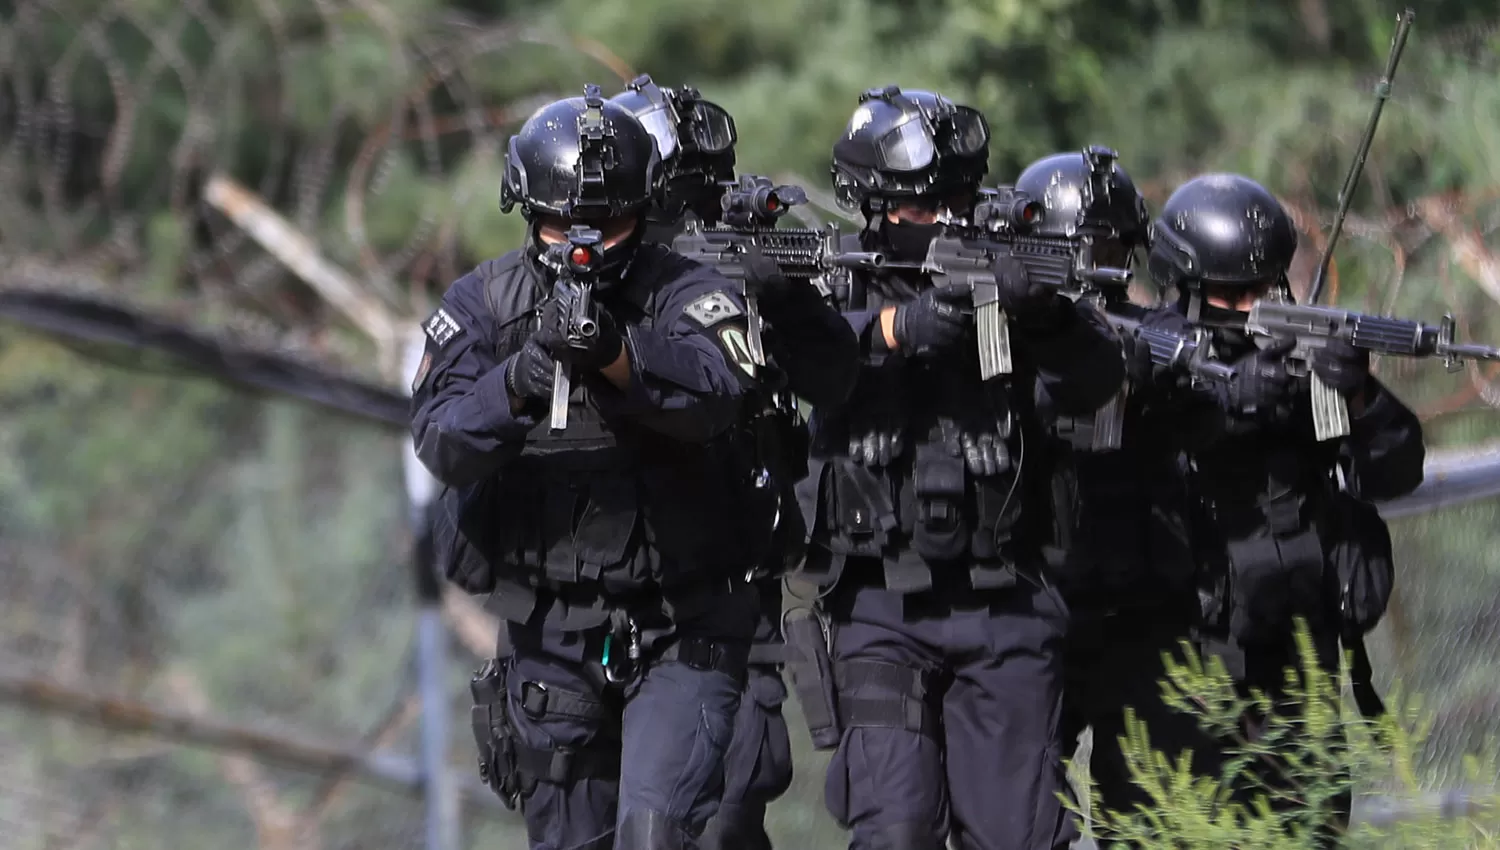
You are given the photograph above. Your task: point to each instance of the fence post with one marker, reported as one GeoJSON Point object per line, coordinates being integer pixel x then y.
{"type": "Point", "coordinates": [441, 794]}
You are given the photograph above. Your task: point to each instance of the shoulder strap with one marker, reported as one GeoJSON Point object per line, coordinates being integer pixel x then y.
{"type": "Point", "coordinates": [506, 301]}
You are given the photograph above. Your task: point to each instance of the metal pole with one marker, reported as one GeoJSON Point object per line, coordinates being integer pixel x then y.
{"type": "Point", "coordinates": [432, 639]}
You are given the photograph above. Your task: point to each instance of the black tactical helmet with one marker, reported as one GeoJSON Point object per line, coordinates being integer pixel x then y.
{"type": "Point", "coordinates": [1221, 230]}
{"type": "Point", "coordinates": [1089, 195]}
{"type": "Point", "coordinates": [694, 137]}
{"type": "Point", "coordinates": [580, 158]}
{"type": "Point", "coordinates": [907, 144]}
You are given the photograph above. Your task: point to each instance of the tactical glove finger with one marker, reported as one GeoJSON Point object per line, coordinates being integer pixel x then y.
{"type": "Point", "coordinates": [972, 459]}
{"type": "Point", "coordinates": [988, 454]}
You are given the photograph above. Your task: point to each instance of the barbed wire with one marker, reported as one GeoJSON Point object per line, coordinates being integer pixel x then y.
{"type": "Point", "coordinates": [114, 115]}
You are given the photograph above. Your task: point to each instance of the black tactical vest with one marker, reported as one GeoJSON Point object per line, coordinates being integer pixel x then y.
{"type": "Point", "coordinates": [1262, 531]}
{"type": "Point", "coordinates": [925, 514]}
{"type": "Point", "coordinates": [605, 509]}
{"type": "Point", "coordinates": [1122, 536]}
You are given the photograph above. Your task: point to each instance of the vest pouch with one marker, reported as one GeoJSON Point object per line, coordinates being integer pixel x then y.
{"type": "Point", "coordinates": [500, 522]}
{"type": "Point", "coordinates": [459, 560]}
{"type": "Point", "coordinates": [1273, 580]}
{"type": "Point", "coordinates": [606, 536]}
{"type": "Point", "coordinates": [941, 530]}
{"type": "Point", "coordinates": [1362, 564]}
{"type": "Point", "coordinates": [860, 510]}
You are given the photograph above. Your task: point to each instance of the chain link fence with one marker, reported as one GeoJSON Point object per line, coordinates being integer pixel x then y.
{"type": "Point", "coordinates": [183, 562]}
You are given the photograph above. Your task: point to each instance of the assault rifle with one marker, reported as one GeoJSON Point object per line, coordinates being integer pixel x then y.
{"type": "Point", "coordinates": [1313, 328]}
{"type": "Point", "coordinates": [1189, 353]}
{"type": "Point", "coordinates": [752, 207]}
{"type": "Point", "coordinates": [577, 263]}
{"type": "Point", "coordinates": [1000, 225]}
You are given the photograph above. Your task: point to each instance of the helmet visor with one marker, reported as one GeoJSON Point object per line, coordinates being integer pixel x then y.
{"type": "Point", "coordinates": [658, 122]}
{"type": "Point", "coordinates": [906, 147]}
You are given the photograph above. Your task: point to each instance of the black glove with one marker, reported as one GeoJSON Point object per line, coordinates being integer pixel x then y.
{"type": "Point", "coordinates": [1261, 382]}
{"type": "Point", "coordinates": [530, 373]}
{"type": "Point", "coordinates": [876, 448]}
{"type": "Point", "coordinates": [1138, 365]}
{"type": "Point", "coordinates": [1032, 306]}
{"type": "Point", "coordinates": [935, 321]}
{"type": "Point", "coordinates": [763, 278]}
{"type": "Point", "coordinates": [1342, 366]}
{"type": "Point", "coordinates": [877, 417]}
{"type": "Point", "coordinates": [985, 453]}
{"type": "Point", "coordinates": [587, 354]}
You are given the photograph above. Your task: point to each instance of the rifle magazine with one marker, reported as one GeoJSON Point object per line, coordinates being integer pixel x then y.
{"type": "Point", "coordinates": [1109, 421]}
{"type": "Point", "coordinates": [1330, 411]}
{"type": "Point", "coordinates": [994, 341]}
{"type": "Point", "coordinates": [561, 390]}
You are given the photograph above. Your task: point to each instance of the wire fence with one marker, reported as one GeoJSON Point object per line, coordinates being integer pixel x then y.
{"type": "Point", "coordinates": [182, 562]}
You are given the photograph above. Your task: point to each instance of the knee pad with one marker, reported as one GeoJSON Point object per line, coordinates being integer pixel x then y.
{"type": "Point", "coordinates": [647, 829]}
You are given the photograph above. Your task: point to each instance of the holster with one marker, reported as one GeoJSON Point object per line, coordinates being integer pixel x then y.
{"type": "Point", "coordinates": [490, 721]}
{"type": "Point", "coordinates": [810, 669]}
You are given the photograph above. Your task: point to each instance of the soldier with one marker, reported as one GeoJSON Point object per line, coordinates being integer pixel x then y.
{"type": "Point", "coordinates": [814, 355]}
{"type": "Point", "coordinates": [1127, 572]}
{"type": "Point", "coordinates": [615, 550]}
{"type": "Point", "coordinates": [1281, 523]}
{"type": "Point", "coordinates": [929, 508]}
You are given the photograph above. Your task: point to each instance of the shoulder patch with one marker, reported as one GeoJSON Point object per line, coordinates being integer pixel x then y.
{"type": "Point", "coordinates": [422, 369]}
{"type": "Point", "coordinates": [711, 308]}
{"type": "Point", "coordinates": [737, 346]}
{"type": "Point", "coordinates": [441, 328]}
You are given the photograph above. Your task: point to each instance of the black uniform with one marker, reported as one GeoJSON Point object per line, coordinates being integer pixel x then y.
{"type": "Point", "coordinates": [927, 503]}
{"type": "Point", "coordinates": [1275, 534]}
{"type": "Point", "coordinates": [813, 355]}
{"type": "Point", "coordinates": [1126, 566]}
{"type": "Point", "coordinates": [616, 550]}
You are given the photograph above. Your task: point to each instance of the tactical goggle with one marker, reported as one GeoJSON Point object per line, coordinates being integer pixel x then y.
{"type": "Point", "coordinates": [915, 143]}
{"type": "Point", "coordinates": [709, 128]}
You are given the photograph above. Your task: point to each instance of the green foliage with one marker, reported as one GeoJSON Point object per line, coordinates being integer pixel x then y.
{"type": "Point", "coordinates": [1275, 789]}
{"type": "Point", "coordinates": [176, 526]}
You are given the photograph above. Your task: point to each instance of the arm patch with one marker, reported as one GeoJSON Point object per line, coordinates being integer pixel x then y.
{"type": "Point", "coordinates": [736, 345]}
{"type": "Point", "coordinates": [711, 308]}
{"type": "Point", "coordinates": [441, 328]}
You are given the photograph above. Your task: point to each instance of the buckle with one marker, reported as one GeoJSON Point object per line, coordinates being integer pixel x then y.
{"type": "Point", "coordinates": [534, 700]}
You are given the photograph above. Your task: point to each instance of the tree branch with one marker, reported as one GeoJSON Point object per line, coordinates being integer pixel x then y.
{"type": "Point", "coordinates": [385, 770]}
{"type": "Point", "coordinates": [276, 826]}
{"type": "Point", "coordinates": [298, 253]}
